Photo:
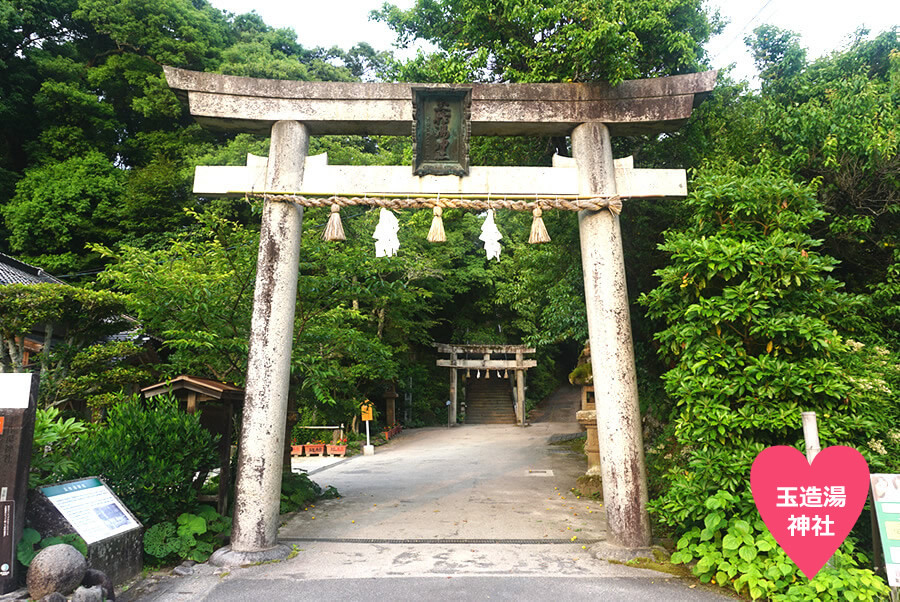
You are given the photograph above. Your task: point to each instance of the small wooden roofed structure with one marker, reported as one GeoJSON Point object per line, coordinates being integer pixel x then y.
{"type": "Point", "coordinates": [217, 416]}
{"type": "Point", "coordinates": [487, 361]}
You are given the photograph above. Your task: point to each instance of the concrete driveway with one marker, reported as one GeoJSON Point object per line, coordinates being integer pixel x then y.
{"type": "Point", "coordinates": [468, 513]}
{"type": "Point", "coordinates": [496, 482]}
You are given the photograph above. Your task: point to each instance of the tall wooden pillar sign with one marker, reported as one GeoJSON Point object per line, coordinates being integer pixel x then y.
{"type": "Point", "coordinates": [18, 402]}
{"type": "Point", "coordinates": [390, 405]}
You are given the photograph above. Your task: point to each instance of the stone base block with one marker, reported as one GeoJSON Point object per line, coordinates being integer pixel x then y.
{"type": "Point", "coordinates": [368, 450]}
{"type": "Point", "coordinates": [589, 484]}
{"type": "Point", "coordinates": [609, 551]}
{"type": "Point", "coordinates": [226, 557]}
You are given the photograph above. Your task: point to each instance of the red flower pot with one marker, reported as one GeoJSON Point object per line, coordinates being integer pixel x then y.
{"type": "Point", "coordinates": [296, 450]}
{"type": "Point", "coordinates": [337, 450]}
{"type": "Point", "coordinates": [315, 449]}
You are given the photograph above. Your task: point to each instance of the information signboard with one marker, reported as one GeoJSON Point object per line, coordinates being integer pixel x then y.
{"type": "Point", "coordinates": [91, 508]}
{"type": "Point", "coordinates": [886, 500]}
{"type": "Point", "coordinates": [7, 538]}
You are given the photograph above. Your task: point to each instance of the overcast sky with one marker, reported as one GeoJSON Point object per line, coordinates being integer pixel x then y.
{"type": "Point", "coordinates": [824, 25]}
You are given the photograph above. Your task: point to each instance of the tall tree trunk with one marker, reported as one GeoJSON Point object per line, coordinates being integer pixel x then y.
{"type": "Point", "coordinates": [45, 357]}
{"type": "Point", "coordinates": [16, 353]}
{"type": "Point", "coordinates": [45, 350]}
{"type": "Point", "coordinates": [381, 313]}
{"type": "Point", "coordinates": [5, 360]}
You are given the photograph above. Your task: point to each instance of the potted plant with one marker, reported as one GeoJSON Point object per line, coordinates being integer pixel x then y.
{"type": "Point", "coordinates": [337, 448]}
{"type": "Point", "coordinates": [296, 450]}
{"type": "Point", "coordinates": [315, 449]}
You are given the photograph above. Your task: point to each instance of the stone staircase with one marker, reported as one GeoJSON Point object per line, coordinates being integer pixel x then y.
{"type": "Point", "coordinates": [489, 401]}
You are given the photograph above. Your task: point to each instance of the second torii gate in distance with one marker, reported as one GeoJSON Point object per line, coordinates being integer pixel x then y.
{"type": "Point", "coordinates": [290, 112]}
{"type": "Point", "coordinates": [486, 362]}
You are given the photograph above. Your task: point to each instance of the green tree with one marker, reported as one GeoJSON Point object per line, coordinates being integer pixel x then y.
{"type": "Point", "coordinates": [753, 329]}
{"type": "Point", "coordinates": [541, 41]}
{"type": "Point", "coordinates": [80, 316]}
{"type": "Point", "coordinates": [93, 125]}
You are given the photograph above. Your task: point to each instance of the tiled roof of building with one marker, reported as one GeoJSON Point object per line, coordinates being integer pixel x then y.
{"type": "Point", "coordinates": [13, 271]}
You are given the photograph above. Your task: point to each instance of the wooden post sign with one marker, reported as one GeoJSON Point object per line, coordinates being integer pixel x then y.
{"type": "Point", "coordinates": [18, 402]}
{"type": "Point", "coordinates": [368, 415]}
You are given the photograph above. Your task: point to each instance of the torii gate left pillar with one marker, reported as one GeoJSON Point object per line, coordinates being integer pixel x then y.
{"type": "Point", "coordinates": [258, 487]}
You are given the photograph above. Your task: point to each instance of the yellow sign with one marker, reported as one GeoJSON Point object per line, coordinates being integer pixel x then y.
{"type": "Point", "coordinates": [367, 410]}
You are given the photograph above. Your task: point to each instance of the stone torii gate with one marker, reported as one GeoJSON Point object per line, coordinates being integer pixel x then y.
{"type": "Point", "coordinates": [291, 111]}
{"type": "Point", "coordinates": [518, 365]}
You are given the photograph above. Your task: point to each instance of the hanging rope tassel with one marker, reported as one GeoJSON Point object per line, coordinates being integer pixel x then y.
{"type": "Point", "coordinates": [506, 374]}
{"type": "Point", "coordinates": [334, 229]}
{"type": "Point", "coordinates": [436, 234]}
{"type": "Point", "coordinates": [538, 229]}
{"type": "Point", "coordinates": [487, 374]}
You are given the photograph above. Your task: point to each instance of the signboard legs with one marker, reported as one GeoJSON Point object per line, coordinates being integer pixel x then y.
{"type": "Point", "coordinates": [612, 354]}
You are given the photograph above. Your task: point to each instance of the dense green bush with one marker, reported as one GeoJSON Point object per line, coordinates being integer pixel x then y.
{"type": "Point", "coordinates": [193, 536]}
{"type": "Point", "coordinates": [149, 453]}
{"type": "Point", "coordinates": [54, 439]}
{"type": "Point", "coordinates": [742, 553]}
{"type": "Point", "coordinates": [32, 543]}
{"type": "Point", "coordinates": [298, 490]}
{"type": "Point", "coordinates": [755, 332]}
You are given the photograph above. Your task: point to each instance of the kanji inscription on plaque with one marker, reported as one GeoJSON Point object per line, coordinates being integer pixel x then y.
{"type": "Point", "coordinates": [441, 127]}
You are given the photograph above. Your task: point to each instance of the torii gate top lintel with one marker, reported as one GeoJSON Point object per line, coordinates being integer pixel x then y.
{"type": "Point", "coordinates": [246, 104]}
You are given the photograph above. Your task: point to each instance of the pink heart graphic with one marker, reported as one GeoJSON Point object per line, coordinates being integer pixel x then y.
{"type": "Point", "coordinates": [809, 509]}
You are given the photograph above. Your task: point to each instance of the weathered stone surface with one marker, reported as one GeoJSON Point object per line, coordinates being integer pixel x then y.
{"type": "Point", "coordinates": [182, 571]}
{"type": "Point", "coordinates": [588, 419]}
{"type": "Point", "coordinates": [88, 594]}
{"type": "Point", "coordinates": [54, 597]}
{"type": "Point", "coordinates": [619, 426]}
{"type": "Point", "coordinates": [229, 557]}
{"type": "Point", "coordinates": [253, 105]}
{"type": "Point", "coordinates": [258, 487]}
{"type": "Point", "coordinates": [58, 568]}
{"type": "Point", "coordinates": [94, 577]}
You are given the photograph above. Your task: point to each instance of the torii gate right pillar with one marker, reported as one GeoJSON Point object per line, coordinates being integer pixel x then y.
{"type": "Point", "coordinates": [612, 354]}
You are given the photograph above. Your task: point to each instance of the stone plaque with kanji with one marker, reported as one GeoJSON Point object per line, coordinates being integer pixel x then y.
{"type": "Point", "coordinates": [441, 122]}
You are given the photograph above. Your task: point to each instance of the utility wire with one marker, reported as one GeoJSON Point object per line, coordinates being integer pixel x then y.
{"type": "Point", "coordinates": [743, 29]}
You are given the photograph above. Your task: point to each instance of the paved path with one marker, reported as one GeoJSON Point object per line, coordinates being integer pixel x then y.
{"type": "Point", "coordinates": [468, 513]}
{"type": "Point", "coordinates": [559, 406]}
{"type": "Point", "coordinates": [470, 482]}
